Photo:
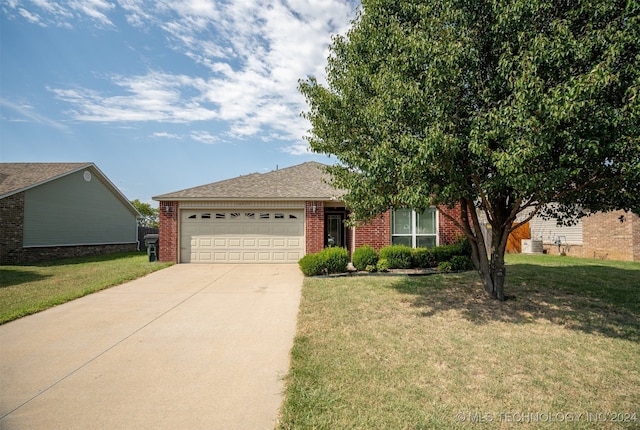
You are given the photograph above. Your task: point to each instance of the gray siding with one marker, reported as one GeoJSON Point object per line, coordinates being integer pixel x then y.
{"type": "Point", "coordinates": [72, 211]}
{"type": "Point", "coordinates": [548, 231]}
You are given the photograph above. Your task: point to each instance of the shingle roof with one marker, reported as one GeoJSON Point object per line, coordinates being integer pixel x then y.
{"type": "Point", "coordinates": [306, 181]}
{"type": "Point", "coordinates": [16, 177]}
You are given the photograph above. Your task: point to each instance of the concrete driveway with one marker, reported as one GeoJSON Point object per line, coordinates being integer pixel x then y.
{"type": "Point", "coordinates": [190, 346]}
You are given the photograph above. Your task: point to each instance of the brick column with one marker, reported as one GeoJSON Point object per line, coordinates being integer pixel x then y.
{"type": "Point", "coordinates": [314, 226]}
{"type": "Point", "coordinates": [168, 243]}
{"type": "Point", "coordinates": [11, 229]}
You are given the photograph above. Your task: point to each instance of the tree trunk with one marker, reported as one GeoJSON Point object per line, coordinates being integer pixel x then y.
{"type": "Point", "coordinates": [491, 271]}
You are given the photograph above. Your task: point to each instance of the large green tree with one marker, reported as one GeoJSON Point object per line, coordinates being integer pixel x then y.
{"type": "Point", "coordinates": [150, 215]}
{"type": "Point", "coordinates": [499, 106]}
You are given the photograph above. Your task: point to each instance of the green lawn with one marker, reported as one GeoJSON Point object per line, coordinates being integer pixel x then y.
{"type": "Point", "coordinates": [26, 290]}
{"type": "Point", "coordinates": [434, 353]}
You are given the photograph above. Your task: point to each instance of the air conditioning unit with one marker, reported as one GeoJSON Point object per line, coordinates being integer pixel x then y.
{"type": "Point", "coordinates": [531, 246]}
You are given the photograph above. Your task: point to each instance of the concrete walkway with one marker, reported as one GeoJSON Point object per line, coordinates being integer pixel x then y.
{"type": "Point", "coordinates": [190, 346]}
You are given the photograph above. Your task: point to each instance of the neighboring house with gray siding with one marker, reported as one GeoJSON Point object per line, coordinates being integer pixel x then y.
{"type": "Point", "coordinates": [57, 210]}
{"type": "Point", "coordinates": [602, 235]}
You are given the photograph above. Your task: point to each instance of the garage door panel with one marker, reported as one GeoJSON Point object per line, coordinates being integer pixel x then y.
{"type": "Point", "coordinates": [242, 236]}
{"type": "Point", "coordinates": [205, 256]}
{"type": "Point", "coordinates": [234, 256]}
{"type": "Point", "coordinates": [249, 243]}
{"type": "Point", "coordinates": [263, 257]}
{"type": "Point", "coordinates": [294, 256]}
{"type": "Point", "coordinates": [294, 243]}
{"type": "Point", "coordinates": [204, 242]}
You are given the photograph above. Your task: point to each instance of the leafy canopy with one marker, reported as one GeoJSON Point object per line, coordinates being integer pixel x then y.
{"type": "Point", "coordinates": [504, 104]}
{"type": "Point", "coordinates": [150, 215]}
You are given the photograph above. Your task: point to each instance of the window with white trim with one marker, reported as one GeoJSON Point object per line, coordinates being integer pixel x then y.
{"type": "Point", "coordinates": [414, 229]}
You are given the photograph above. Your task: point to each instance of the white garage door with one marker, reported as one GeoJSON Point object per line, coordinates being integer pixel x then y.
{"type": "Point", "coordinates": [241, 236]}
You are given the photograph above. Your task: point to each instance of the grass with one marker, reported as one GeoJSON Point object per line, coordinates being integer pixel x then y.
{"type": "Point", "coordinates": [25, 290]}
{"type": "Point", "coordinates": [434, 353]}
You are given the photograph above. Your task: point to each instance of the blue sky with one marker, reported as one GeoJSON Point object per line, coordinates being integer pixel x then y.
{"type": "Point", "coordinates": [162, 95]}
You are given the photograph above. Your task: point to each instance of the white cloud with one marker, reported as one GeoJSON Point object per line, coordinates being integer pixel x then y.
{"type": "Point", "coordinates": [62, 14]}
{"type": "Point", "coordinates": [151, 97]}
{"type": "Point", "coordinates": [254, 50]}
{"type": "Point", "coordinates": [95, 9]}
{"type": "Point", "coordinates": [165, 135]}
{"type": "Point", "coordinates": [296, 149]}
{"type": "Point", "coordinates": [28, 112]}
{"type": "Point", "coordinates": [33, 18]}
{"type": "Point", "coordinates": [204, 137]}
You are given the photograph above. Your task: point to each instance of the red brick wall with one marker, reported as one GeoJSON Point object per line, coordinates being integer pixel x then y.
{"type": "Point", "coordinates": [448, 232]}
{"type": "Point", "coordinates": [376, 233]}
{"type": "Point", "coordinates": [608, 236]}
{"type": "Point", "coordinates": [168, 240]}
{"type": "Point", "coordinates": [11, 236]}
{"type": "Point", "coordinates": [314, 226]}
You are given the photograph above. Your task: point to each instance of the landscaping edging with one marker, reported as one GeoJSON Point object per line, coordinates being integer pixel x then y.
{"type": "Point", "coordinates": [391, 272]}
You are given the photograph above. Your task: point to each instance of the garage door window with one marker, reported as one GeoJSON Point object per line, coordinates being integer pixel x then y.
{"type": "Point", "coordinates": [240, 216]}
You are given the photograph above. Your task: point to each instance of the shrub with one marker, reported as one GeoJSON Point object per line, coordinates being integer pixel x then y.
{"type": "Point", "coordinates": [371, 268]}
{"type": "Point", "coordinates": [461, 262]}
{"type": "Point", "coordinates": [423, 258]}
{"type": "Point", "coordinates": [445, 252]}
{"type": "Point", "coordinates": [364, 256]}
{"type": "Point", "coordinates": [335, 259]}
{"type": "Point", "coordinates": [311, 265]}
{"type": "Point", "coordinates": [444, 266]}
{"type": "Point", "coordinates": [464, 245]}
{"type": "Point", "coordinates": [383, 265]}
{"type": "Point", "coordinates": [397, 256]}
{"type": "Point", "coordinates": [329, 260]}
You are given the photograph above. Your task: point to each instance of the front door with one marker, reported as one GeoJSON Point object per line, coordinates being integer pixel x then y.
{"type": "Point", "coordinates": [334, 230]}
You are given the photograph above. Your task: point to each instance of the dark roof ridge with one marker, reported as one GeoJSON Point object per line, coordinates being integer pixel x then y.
{"type": "Point", "coordinates": [303, 181]}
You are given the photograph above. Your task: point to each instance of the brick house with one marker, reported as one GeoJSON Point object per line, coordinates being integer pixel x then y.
{"type": "Point", "coordinates": [602, 235]}
{"type": "Point", "coordinates": [56, 210]}
{"type": "Point", "coordinates": [279, 217]}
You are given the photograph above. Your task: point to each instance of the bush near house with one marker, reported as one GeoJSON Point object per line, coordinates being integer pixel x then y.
{"type": "Point", "coordinates": [447, 252]}
{"type": "Point", "coordinates": [327, 261]}
{"type": "Point", "coordinates": [403, 257]}
{"type": "Point", "coordinates": [398, 256]}
{"type": "Point", "coordinates": [460, 263]}
{"type": "Point", "coordinates": [423, 258]}
{"type": "Point", "coordinates": [454, 257]}
{"type": "Point", "coordinates": [364, 256]}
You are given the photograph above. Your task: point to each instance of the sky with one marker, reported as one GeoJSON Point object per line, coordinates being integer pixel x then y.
{"type": "Point", "coordinates": [162, 95]}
